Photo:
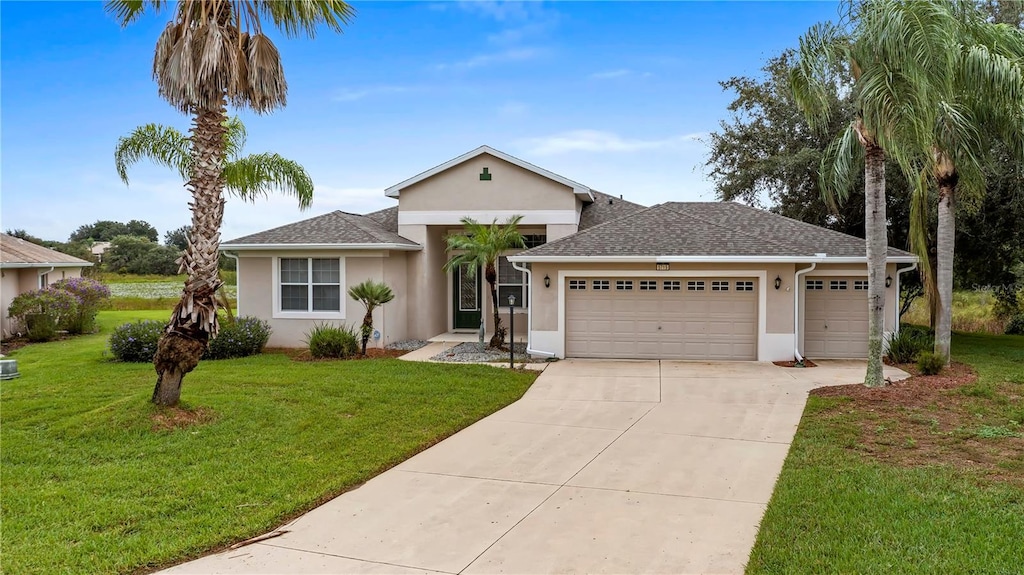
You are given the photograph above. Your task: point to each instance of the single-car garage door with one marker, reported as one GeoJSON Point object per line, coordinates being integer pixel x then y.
{"type": "Point", "coordinates": [657, 318]}
{"type": "Point", "coordinates": [836, 317]}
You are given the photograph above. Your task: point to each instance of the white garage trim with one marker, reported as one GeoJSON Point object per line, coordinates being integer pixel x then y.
{"type": "Point", "coordinates": [762, 297]}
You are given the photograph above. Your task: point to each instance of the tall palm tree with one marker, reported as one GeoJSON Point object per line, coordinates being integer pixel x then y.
{"type": "Point", "coordinates": [866, 49]}
{"type": "Point", "coordinates": [211, 53]}
{"type": "Point", "coordinates": [372, 295]}
{"type": "Point", "coordinates": [976, 95]}
{"type": "Point", "coordinates": [480, 246]}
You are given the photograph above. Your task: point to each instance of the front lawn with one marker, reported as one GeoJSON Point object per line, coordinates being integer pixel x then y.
{"type": "Point", "coordinates": [97, 480]}
{"type": "Point", "coordinates": [924, 479]}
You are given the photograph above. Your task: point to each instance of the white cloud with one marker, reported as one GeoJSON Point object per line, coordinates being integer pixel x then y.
{"type": "Point", "coordinates": [499, 11]}
{"type": "Point", "coordinates": [354, 94]}
{"type": "Point", "coordinates": [599, 141]}
{"type": "Point", "coordinates": [483, 60]}
{"type": "Point", "coordinates": [620, 73]}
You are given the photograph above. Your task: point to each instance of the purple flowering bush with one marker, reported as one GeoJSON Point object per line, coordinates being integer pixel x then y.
{"type": "Point", "coordinates": [91, 296]}
{"type": "Point", "coordinates": [136, 341]}
{"type": "Point", "coordinates": [42, 311]}
{"type": "Point", "coordinates": [244, 337]}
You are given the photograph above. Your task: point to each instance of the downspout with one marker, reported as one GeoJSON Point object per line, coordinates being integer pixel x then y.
{"type": "Point", "coordinates": [796, 311]}
{"type": "Point", "coordinates": [529, 313]}
{"type": "Point", "coordinates": [238, 290]}
{"type": "Point", "coordinates": [39, 280]}
{"type": "Point", "coordinates": [899, 281]}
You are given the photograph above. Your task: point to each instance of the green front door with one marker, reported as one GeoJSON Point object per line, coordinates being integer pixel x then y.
{"type": "Point", "coordinates": [466, 294]}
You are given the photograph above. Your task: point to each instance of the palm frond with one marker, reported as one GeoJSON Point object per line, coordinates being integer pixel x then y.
{"type": "Point", "coordinates": [163, 145]}
{"type": "Point", "coordinates": [840, 162]}
{"type": "Point", "coordinates": [128, 11]}
{"type": "Point", "coordinates": [257, 175]}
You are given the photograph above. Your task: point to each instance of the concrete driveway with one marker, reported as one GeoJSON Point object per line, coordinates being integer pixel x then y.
{"type": "Point", "coordinates": [602, 467]}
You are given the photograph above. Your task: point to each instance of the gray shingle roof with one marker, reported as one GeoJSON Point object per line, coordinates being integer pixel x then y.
{"type": "Point", "coordinates": [18, 251]}
{"type": "Point", "coordinates": [387, 218]}
{"type": "Point", "coordinates": [705, 229]}
{"type": "Point", "coordinates": [336, 228]}
{"type": "Point", "coordinates": [605, 208]}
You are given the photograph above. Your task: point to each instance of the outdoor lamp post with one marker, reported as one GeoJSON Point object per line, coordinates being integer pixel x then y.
{"type": "Point", "coordinates": [511, 331]}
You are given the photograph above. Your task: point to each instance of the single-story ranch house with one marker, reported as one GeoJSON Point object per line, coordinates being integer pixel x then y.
{"type": "Point", "coordinates": [602, 277]}
{"type": "Point", "coordinates": [26, 266]}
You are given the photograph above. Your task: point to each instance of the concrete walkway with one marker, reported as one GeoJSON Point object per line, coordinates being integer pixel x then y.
{"type": "Point", "coordinates": [602, 467]}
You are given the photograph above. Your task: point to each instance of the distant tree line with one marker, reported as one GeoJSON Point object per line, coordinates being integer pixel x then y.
{"type": "Point", "coordinates": [134, 248]}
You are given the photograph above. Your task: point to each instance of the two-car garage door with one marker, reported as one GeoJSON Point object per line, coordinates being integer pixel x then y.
{"type": "Point", "coordinates": [656, 318]}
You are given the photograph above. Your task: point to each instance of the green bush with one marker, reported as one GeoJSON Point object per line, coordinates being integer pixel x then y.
{"type": "Point", "coordinates": [42, 311]}
{"type": "Point", "coordinates": [930, 363]}
{"type": "Point", "coordinates": [136, 341]}
{"type": "Point", "coordinates": [1016, 325]}
{"type": "Point", "coordinates": [905, 346]}
{"type": "Point", "coordinates": [329, 341]}
{"type": "Point", "coordinates": [244, 337]}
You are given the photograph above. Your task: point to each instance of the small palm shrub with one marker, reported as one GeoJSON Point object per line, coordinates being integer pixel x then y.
{"type": "Point", "coordinates": [136, 341]}
{"type": "Point", "coordinates": [905, 346]}
{"type": "Point", "coordinates": [241, 338]}
{"type": "Point", "coordinates": [1016, 325]}
{"type": "Point", "coordinates": [41, 312]}
{"type": "Point", "coordinates": [930, 363]}
{"type": "Point", "coordinates": [91, 296]}
{"type": "Point", "coordinates": [330, 341]}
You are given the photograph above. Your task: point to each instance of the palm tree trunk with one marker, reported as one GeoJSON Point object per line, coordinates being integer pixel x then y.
{"type": "Point", "coordinates": [491, 275]}
{"type": "Point", "coordinates": [194, 319]}
{"type": "Point", "coordinates": [875, 231]}
{"type": "Point", "coordinates": [944, 268]}
{"type": "Point", "coordinates": [367, 328]}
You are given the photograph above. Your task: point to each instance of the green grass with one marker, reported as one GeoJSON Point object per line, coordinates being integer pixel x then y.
{"type": "Point", "coordinates": [836, 510]}
{"type": "Point", "coordinates": [90, 487]}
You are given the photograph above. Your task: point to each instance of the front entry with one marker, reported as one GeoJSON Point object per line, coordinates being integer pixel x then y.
{"type": "Point", "coordinates": [466, 298]}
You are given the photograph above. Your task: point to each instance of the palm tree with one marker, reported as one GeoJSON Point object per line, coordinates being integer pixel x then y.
{"type": "Point", "coordinates": [480, 246]}
{"type": "Point", "coordinates": [372, 295]}
{"type": "Point", "coordinates": [211, 53]}
{"type": "Point", "coordinates": [977, 87]}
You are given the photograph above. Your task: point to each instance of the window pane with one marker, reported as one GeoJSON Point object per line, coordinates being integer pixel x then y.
{"type": "Point", "coordinates": [294, 271]}
{"type": "Point", "coordinates": [293, 298]}
{"type": "Point", "coordinates": [505, 291]}
{"type": "Point", "coordinates": [508, 274]}
{"type": "Point", "coordinates": [326, 298]}
{"type": "Point", "coordinates": [326, 271]}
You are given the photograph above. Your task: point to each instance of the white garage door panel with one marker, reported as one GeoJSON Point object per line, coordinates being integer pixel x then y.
{"type": "Point", "coordinates": [835, 320]}
{"type": "Point", "coordinates": [659, 324]}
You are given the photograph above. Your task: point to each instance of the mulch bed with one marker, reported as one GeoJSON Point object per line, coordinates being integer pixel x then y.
{"type": "Point", "coordinates": [925, 420]}
{"type": "Point", "coordinates": [9, 345]}
{"type": "Point", "coordinates": [371, 353]}
{"type": "Point", "coordinates": [807, 363]}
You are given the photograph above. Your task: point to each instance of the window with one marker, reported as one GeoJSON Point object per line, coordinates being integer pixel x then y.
{"type": "Point", "coordinates": [310, 284]}
{"type": "Point", "coordinates": [511, 282]}
{"type": "Point", "coordinates": [577, 284]}
{"type": "Point", "coordinates": [744, 286]}
{"type": "Point", "coordinates": [601, 285]}
{"type": "Point", "coordinates": [534, 240]}
{"type": "Point", "coordinates": [837, 285]}
{"type": "Point", "coordinates": [624, 285]}
{"type": "Point", "coordinates": [648, 285]}
{"type": "Point", "coordinates": [670, 285]}
{"type": "Point", "coordinates": [815, 285]}
{"type": "Point", "coordinates": [44, 280]}
{"type": "Point", "coordinates": [695, 286]}
{"type": "Point", "coordinates": [719, 286]}
{"type": "Point", "coordinates": [860, 285]}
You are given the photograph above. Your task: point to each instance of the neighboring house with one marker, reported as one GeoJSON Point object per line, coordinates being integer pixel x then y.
{"type": "Point", "coordinates": [98, 249]}
{"type": "Point", "coordinates": [26, 266]}
{"type": "Point", "coordinates": [603, 277]}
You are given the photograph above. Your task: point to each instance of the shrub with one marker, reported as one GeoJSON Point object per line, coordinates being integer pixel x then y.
{"type": "Point", "coordinates": [244, 337]}
{"type": "Point", "coordinates": [1016, 325]}
{"type": "Point", "coordinates": [329, 341]}
{"type": "Point", "coordinates": [930, 363]}
{"type": "Point", "coordinates": [136, 341]}
{"type": "Point", "coordinates": [42, 311]}
{"type": "Point", "coordinates": [905, 346]}
{"type": "Point", "coordinates": [91, 296]}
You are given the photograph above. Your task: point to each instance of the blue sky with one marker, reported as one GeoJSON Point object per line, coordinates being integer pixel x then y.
{"type": "Point", "coordinates": [617, 96]}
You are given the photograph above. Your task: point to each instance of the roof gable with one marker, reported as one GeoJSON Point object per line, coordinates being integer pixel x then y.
{"type": "Point", "coordinates": [581, 191]}
{"type": "Point", "coordinates": [336, 229]}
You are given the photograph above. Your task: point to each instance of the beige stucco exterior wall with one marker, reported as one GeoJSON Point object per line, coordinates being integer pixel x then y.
{"type": "Point", "coordinates": [21, 280]}
{"type": "Point", "coordinates": [510, 188]}
{"type": "Point", "coordinates": [256, 295]}
{"type": "Point", "coordinates": [426, 282]}
{"type": "Point", "coordinates": [556, 231]}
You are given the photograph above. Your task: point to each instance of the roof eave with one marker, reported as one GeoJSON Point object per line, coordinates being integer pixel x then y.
{"type": "Point", "coordinates": [703, 259]}
{"type": "Point", "coordinates": [269, 247]}
{"type": "Point", "coordinates": [27, 265]}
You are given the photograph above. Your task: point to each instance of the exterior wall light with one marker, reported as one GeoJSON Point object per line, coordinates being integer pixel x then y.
{"type": "Point", "coordinates": [778, 282]}
{"type": "Point", "coordinates": [547, 281]}
{"type": "Point", "coordinates": [888, 281]}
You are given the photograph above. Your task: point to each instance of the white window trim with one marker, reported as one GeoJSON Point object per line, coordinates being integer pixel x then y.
{"type": "Point", "coordinates": [503, 303]}
{"type": "Point", "coordinates": [276, 284]}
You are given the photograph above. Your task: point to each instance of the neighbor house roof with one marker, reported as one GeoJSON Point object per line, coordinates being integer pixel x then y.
{"type": "Point", "coordinates": [581, 191]}
{"type": "Point", "coordinates": [18, 253]}
{"type": "Point", "coordinates": [336, 230]}
{"type": "Point", "coordinates": [705, 231]}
